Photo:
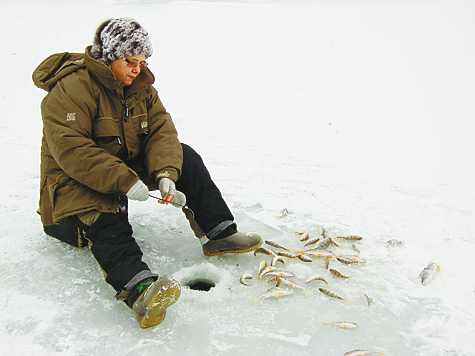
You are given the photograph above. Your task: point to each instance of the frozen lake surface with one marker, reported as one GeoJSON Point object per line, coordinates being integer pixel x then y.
{"type": "Point", "coordinates": [355, 116]}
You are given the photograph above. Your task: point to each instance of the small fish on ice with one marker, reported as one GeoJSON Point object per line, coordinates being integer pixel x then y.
{"type": "Point", "coordinates": [367, 301]}
{"type": "Point", "coordinates": [274, 292]}
{"type": "Point", "coordinates": [350, 237]}
{"type": "Point", "coordinates": [337, 274]}
{"type": "Point", "coordinates": [311, 241]}
{"type": "Point", "coordinates": [265, 251]}
{"type": "Point", "coordinates": [262, 266]}
{"type": "Point", "coordinates": [351, 259]}
{"type": "Point", "coordinates": [362, 353]}
{"type": "Point", "coordinates": [304, 235]}
{"type": "Point", "coordinates": [316, 277]}
{"type": "Point", "coordinates": [291, 284]}
{"type": "Point", "coordinates": [284, 212]}
{"type": "Point", "coordinates": [428, 273]}
{"type": "Point", "coordinates": [276, 245]}
{"type": "Point", "coordinates": [330, 293]}
{"type": "Point", "coordinates": [280, 274]}
{"type": "Point", "coordinates": [278, 259]}
{"type": "Point", "coordinates": [304, 258]}
{"type": "Point", "coordinates": [395, 243]}
{"type": "Point", "coordinates": [343, 324]}
{"type": "Point", "coordinates": [244, 279]}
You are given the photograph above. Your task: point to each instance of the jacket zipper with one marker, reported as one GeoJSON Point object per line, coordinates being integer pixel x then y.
{"type": "Point", "coordinates": [126, 116]}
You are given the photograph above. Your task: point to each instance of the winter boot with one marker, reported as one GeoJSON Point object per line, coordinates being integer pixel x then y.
{"type": "Point", "coordinates": [150, 299]}
{"type": "Point", "coordinates": [230, 241]}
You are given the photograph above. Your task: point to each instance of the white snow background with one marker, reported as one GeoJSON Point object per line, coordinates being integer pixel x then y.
{"type": "Point", "coordinates": [357, 116]}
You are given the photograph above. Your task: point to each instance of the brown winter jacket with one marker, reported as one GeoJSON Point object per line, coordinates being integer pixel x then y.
{"type": "Point", "coordinates": [99, 137]}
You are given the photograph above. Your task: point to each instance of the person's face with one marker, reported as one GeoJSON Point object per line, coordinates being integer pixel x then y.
{"type": "Point", "coordinates": [127, 68]}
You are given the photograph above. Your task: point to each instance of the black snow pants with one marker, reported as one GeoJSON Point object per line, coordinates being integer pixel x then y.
{"type": "Point", "coordinates": [111, 236]}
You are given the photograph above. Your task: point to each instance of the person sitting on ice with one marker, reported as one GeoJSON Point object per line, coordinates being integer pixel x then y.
{"type": "Point", "coordinates": [106, 139]}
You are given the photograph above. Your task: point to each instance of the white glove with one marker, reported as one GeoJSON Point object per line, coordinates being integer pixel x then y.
{"type": "Point", "coordinates": [139, 191]}
{"type": "Point", "coordinates": [179, 199]}
{"type": "Point", "coordinates": [166, 187]}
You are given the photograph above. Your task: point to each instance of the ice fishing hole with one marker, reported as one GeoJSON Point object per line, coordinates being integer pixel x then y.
{"type": "Point", "coordinates": [201, 284]}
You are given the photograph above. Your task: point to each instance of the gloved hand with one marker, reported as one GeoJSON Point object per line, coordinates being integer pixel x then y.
{"type": "Point", "coordinates": [139, 191]}
{"type": "Point", "coordinates": [179, 199]}
{"type": "Point", "coordinates": [166, 187]}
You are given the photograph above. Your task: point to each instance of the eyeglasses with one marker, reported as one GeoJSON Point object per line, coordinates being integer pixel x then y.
{"type": "Point", "coordinates": [131, 64]}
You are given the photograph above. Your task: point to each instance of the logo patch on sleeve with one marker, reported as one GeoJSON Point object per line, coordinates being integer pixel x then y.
{"type": "Point", "coordinates": [163, 175]}
{"type": "Point", "coordinates": [71, 116]}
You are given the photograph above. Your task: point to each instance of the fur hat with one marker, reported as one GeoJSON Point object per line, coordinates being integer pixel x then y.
{"type": "Point", "coordinates": [117, 38]}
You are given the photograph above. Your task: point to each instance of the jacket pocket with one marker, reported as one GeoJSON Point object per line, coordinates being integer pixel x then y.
{"type": "Point", "coordinates": [54, 184]}
{"type": "Point", "coordinates": [106, 135]}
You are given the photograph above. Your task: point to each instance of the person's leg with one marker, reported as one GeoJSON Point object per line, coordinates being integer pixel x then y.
{"type": "Point", "coordinates": [118, 254]}
{"type": "Point", "coordinates": [110, 238]}
{"type": "Point", "coordinates": [67, 230]}
{"type": "Point", "coordinates": [120, 257]}
{"type": "Point", "coordinates": [202, 195]}
{"type": "Point", "coordinates": [208, 214]}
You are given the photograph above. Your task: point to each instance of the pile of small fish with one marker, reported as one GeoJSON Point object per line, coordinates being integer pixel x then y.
{"type": "Point", "coordinates": [312, 249]}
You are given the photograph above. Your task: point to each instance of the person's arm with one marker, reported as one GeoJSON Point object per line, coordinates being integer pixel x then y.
{"type": "Point", "coordinates": [68, 113]}
{"type": "Point", "coordinates": [162, 150]}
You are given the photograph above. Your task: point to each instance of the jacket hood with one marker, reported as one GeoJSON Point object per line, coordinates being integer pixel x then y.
{"type": "Point", "coordinates": [55, 67]}
{"type": "Point", "coordinates": [59, 65]}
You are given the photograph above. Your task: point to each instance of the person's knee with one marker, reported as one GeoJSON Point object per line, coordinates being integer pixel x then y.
{"type": "Point", "coordinates": [189, 153]}
{"type": "Point", "coordinates": [193, 164]}
{"type": "Point", "coordinates": [110, 226]}
{"type": "Point", "coordinates": [68, 230]}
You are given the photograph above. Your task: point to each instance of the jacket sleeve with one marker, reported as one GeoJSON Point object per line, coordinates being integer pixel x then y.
{"type": "Point", "coordinates": [163, 151]}
{"type": "Point", "coordinates": [68, 111]}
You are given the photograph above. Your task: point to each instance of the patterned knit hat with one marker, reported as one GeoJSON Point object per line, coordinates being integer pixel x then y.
{"type": "Point", "coordinates": [117, 38]}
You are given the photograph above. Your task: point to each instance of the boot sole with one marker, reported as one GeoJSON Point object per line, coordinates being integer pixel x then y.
{"type": "Point", "coordinates": [236, 252]}
{"type": "Point", "coordinates": [150, 308]}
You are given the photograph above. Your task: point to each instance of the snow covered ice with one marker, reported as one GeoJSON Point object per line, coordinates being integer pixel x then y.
{"type": "Point", "coordinates": [356, 116]}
